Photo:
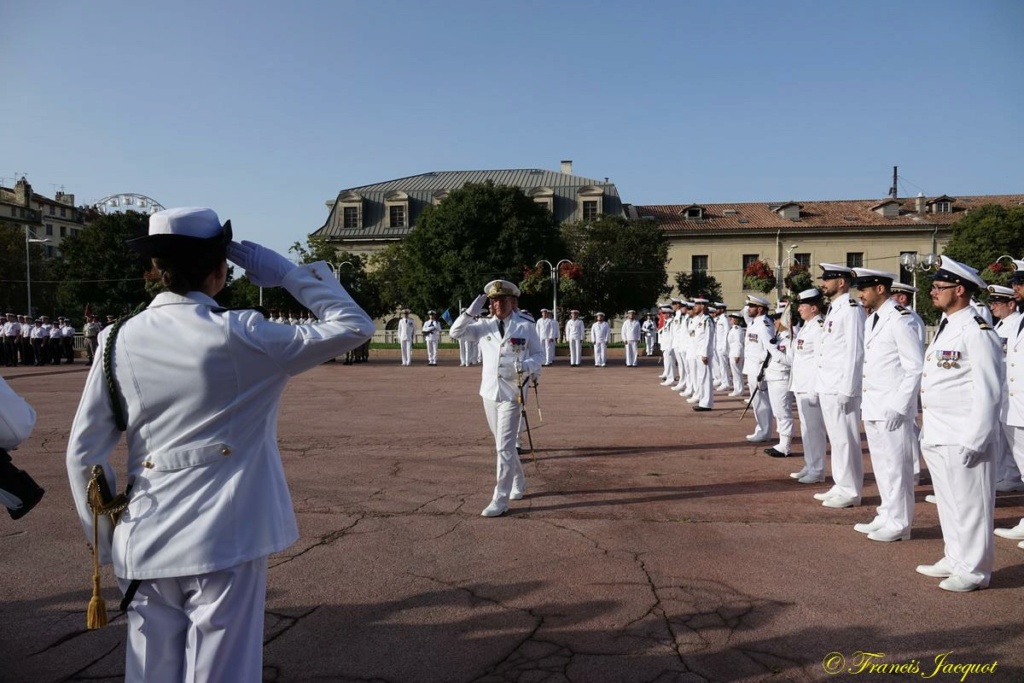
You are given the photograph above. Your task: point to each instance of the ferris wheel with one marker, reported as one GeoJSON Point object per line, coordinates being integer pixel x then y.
{"type": "Point", "coordinates": [128, 201]}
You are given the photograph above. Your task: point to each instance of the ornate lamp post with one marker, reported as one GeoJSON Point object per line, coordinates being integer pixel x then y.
{"type": "Point", "coordinates": [30, 239]}
{"type": "Point", "coordinates": [921, 264]}
{"type": "Point", "coordinates": [554, 283]}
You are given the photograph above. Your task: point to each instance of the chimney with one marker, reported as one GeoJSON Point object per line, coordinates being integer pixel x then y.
{"type": "Point", "coordinates": [567, 166]}
{"type": "Point", "coordinates": [920, 206]}
{"type": "Point", "coordinates": [22, 192]}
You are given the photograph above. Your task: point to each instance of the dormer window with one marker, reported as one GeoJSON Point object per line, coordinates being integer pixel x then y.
{"type": "Point", "coordinates": [396, 207]}
{"type": "Point", "coordinates": [943, 204]}
{"type": "Point", "coordinates": [545, 196]}
{"type": "Point", "coordinates": [693, 212]}
{"type": "Point", "coordinates": [789, 211]}
{"type": "Point", "coordinates": [590, 202]}
{"type": "Point", "coordinates": [438, 197]}
{"type": "Point", "coordinates": [351, 206]}
{"type": "Point", "coordinates": [887, 209]}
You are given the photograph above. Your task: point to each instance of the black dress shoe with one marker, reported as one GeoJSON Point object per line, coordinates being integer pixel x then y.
{"type": "Point", "coordinates": [775, 453]}
{"type": "Point", "coordinates": [701, 409]}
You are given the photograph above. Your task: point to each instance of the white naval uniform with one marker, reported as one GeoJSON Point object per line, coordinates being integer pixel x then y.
{"type": "Point", "coordinates": [649, 328]}
{"type": "Point", "coordinates": [919, 328]}
{"type": "Point", "coordinates": [736, 341]}
{"type": "Point", "coordinates": [1006, 467]}
{"type": "Point", "coordinates": [432, 335]}
{"type": "Point", "coordinates": [406, 334]}
{"type": "Point", "coordinates": [803, 383]}
{"type": "Point", "coordinates": [893, 361]}
{"type": "Point", "coordinates": [600, 335]}
{"type": "Point", "coordinates": [720, 368]}
{"type": "Point", "coordinates": [755, 350]}
{"type": "Point", "coordinates": [547, 331]}
{"type": "Point", "coordinates": [17, 418]}
{"type": "Point", "coordinates": [630, 333]}
{"type": "Point", "coordinates": [503, 356]}
{"type": "Point", "coordinates": [840, 372]}
{"type": "Point", "coordinates": [574, 331]}
{"type": "Point", "coordinates": [702, 354]}
{"type": "Point", "coordinates": [778, 376]}
{"type": "Point", "coordinates": [680, 338]}
{"type": "Point", "coordinates": [200, 387]}
{"type": "Point", "coordinates": [1014, 387]}
{"type": "Point", "coordinates": [961, 389]}
{"type": "Point", "coordinates": [668, 358]}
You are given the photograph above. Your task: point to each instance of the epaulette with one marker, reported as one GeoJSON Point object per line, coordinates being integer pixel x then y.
{"type": "Point", "coordinates": [982, 323]}
{"type": "Point", "coordinates": [902, 310]}
{"type": "Point", "coordinates": [527, 316]}
{"type": "Point", "coordinates": [853, 302]}
{"type": "Point", "coordinates": [821, 322]}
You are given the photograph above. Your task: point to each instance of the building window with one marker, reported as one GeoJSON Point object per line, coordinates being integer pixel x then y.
{"type": "Point", "coordinates": [14, 211]}
{"type": "Point", "coordinates": [590, 209]}
{"type": "Point", "coordinates": [351, 216]}
{"type": "Point", "coordinates": [699, 264]}
{"type": "Point", "coordinates": [63, 231]}
{"type": "Point", "coordinates": [49, 230]}
{"type": "Point", "coordinates": [802, 260]}
{"type": "Point", "coordinates": [942, 207]}
{"type": "Point", "coordinates": [63, 212]}
{"type": "Point", "coordinates": [747, 260]}
{"type": "Point", "coordinates": [49, 251]}
{"type": "Point", "coordinates": [52, 211]}
{"type": "Point", "coordinates": [855, 259]}
{"type": "Point", "coordinates": [590, 202]}
{"type": "Point", "coordinates": [694, 213]}
{"type": "Point", "coordinates": [396, 216]}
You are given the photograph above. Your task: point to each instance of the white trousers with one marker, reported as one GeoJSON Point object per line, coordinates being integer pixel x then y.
{"type": "Point", "coordinates": [692, 362]}
{"type": "Point", "coordinates": [406, 352]}
{"type": "Point", "coordinates": [681, 366]}
{"type": "Point", "coordinates": [723, 377]}
{"type": "Point", "coordinates": [781, 401]}
{"type": "Point", "coordinates": [762, 409]}
{"type": "Point", "coordinates": [464, 358]}
{"type": "Point", "coordinates": [892, 456]}
{"type": "Point", "coordinates": [812, 434]}
{"type": "Point", "coordinates": [649, 344]}
{"type": "Point", "coordinates": [737, 375]}
{"type": "Point", "coordinates": [704, 384]}
{"type": "Point", "coordinates": [844, 435]}
{"type": "Point", "coordinates": [631, 352]}
{"type": "Point", "coordinates": [966, 500]}
{"type": "Point", "coordinates": [503, 417]}
{"type": "Point", "coordinates": [1010, 450]}
{"type": "Point", "coordinates": [198, 628]}
{"type": "Point", "coordinates": [432, 343]}
{"type": "Point", "coordinates": [575, 351]}
{"type": "Point", "coordinates": [668, 359]}
{"type": "Point", "coordinates": [600, 354]}
{"type": "Point", "coordinates": [1016, 438]}
{"type": "Point", "coordinates": [549, 351]}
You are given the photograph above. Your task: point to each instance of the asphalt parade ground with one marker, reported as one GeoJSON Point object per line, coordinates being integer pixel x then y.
{"type": "Point", "coordinates": [653, 544]}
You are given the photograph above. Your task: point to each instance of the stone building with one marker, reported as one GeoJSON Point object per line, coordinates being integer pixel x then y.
{"type": "Point", "coordinates": [44, 218]}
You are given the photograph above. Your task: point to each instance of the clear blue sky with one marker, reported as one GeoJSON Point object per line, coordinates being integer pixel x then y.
{"type": "Point", "coordinates": [264, 110]}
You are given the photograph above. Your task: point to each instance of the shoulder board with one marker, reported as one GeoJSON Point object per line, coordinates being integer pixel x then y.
{"type": "Point", "coordinates": [821, 322]}
{"type": "Point", "coordinates": [526, 316]}
{"type": "Point", "coordinates": [902, 310]}
{"type": "Point", "coordinates": [981, 323]}
{"type": "Point", "coordinates": [853, 302]}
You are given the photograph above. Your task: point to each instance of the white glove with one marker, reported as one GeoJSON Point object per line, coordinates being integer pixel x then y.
{"type": "Point", "coordinates": [477, 308]}
{"type": "Point", "coordinates": [812, 400]}
{"type": "Point", "coordinates": [763, 386]}
{"type": "Point", "coordinates": [970, 457]}
{"type": "Point", "coordinates": [893, 420]}
{"type": "Point", "coordinates": [845, 403]}
{"type": "Point", "coordinates": [264, 267]}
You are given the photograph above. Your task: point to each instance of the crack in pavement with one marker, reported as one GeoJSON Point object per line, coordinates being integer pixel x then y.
{"type": "Point", "coordinates": [324, 540]}
{"type": "Point", "coordinates": [290, 622]}
{"type": "Point", "coordinates": [73, 674]}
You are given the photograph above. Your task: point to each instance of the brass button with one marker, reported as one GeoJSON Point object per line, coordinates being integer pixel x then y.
{"type": "Point", "coordinates": [225, 451]}
{"type": "Point", "coordinates": [148, 464]}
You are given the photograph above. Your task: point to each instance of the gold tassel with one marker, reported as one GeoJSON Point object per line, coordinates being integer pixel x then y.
{"type": "Point", "coordinates": [96, 615]}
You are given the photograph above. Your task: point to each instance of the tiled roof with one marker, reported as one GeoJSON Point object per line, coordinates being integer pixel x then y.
{"type": "Point", "coordinates": [836, 215]}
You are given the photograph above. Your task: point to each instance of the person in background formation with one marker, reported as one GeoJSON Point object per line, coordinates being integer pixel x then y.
{"type": "Point", "coordinates": [11, 336]}
{"type": "Point", "coordinates": [512, 353]}
{"type": "Point", "coordinates": [27, 352]}
{"type": "Point", "coordinates": [55, 344]}
{"type": "Point", "coordinates": [649, 329]}
{"type": "Point", "coordinates": [803, 353]}
{"type": "Point", "coordinates": [631, 337]}
{"type": "Point", "coordinates": [680, 337]}
{"type": "Point", "coordinates": [67, 336]}
{"type": "Point", "coordinates": [19, 493]}
{"type": "Point", "coordinates": [1004, 310]}
{"type": "Point", "coordinates": [760, 331]}
{"type": "Point", "coordinates": [574, 332]}
{"type": "Point", "coordinates": [668, 358]}
{"type": "Point", "coordinates": [893, 363]}
{"type": "Point", "coordinates": [406, 334]}
{"type": "Point", "coordinates": [777, 376]}
{"type": "Point", "coordinates": [903, 295]}
{"type": "Point", "coordinates": [600, 335]}
{"type": "Point", "coordinates": [40, 335]}
{"type": "Point", "coordinates": [432, 335]}
{"type": "Point", "coordinates": [1014, 420]}
{"type": "Point", "coordinates": [465, 356]}
{"type": "Point", "coordinates": [839, 382]}
{"type": "Point", "coordinates": [961, 389]}
{"type": "Point", "coordinates": [736, 342]}
{"type": "Point", "coordinates": [199, 388]}
{"type": "Point", "coordinates": [547, 331]}
{"type": "Point", "coordinates": [91, 330]}
{"type": "Point", "coordinates": [701, 349]}
{"type": "Point", "coordinates": [722, 373]}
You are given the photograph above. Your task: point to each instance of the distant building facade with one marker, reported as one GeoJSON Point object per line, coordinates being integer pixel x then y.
{"type": "Point", "coordinates": [365, 219]}
{"type": "Point", "coordinates": [721, 239]}
{"type": "Point", "coordinates": [44, 218]}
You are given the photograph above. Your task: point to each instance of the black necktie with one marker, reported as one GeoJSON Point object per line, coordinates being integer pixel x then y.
{"type": "Point", "coordinates": [1021, 326]}
{"type": "Point", "coordinates": [942, 326]}
{"type": "Point", "coordinates": [501, 327]}
{"type": "Point", "coordinates": [874, 321]}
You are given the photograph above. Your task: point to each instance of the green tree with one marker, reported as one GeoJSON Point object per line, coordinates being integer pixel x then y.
{"type": "Point", "coordinates": [96, 268]}
{"type": "Point", "coordinates": [798, 279]}
{"type": "Point", "coordinates": [699, 284]}
{"type": "Point", "coordinates": [984, 234]}
{"type": "Point", "coordinates": [387, 277]}
{"type": "Point", "coordinates": [622, 265]}
{"type": "Point", "coordinates": [480, 232]}
{"type": "Point", "coordinates": [13, 284]}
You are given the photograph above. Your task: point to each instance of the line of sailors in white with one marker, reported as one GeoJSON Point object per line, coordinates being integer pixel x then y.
{"type": "Point", "coordinates": [843, 366]}
{"type": "Point", "coordinates": [631, 333]}
{"type": "Point", "coordinates": [46, 339]}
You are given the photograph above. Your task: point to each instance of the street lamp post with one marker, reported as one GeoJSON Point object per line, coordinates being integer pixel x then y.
{"type": "Point", "coordinates": [913, 263]}
{"type": "Point", "coordinates": [29, 239]}
{"type": "Point", "coordinates": [336, 268]}
{"type": "Point", "coordinates": [782, 265]}
{"type": "Point", "coordinates": [554, 284]}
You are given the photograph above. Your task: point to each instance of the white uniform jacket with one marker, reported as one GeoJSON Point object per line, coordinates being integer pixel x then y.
{"type": "Point", "coordinates": [702, 336]}
{"type": "Point", "coordinates": [200, 387]}
{"type": "Point", "coordinates": [780, 367]}
{"type": "Point", "coordinates": [574, 329]}
{"type": "Point", "coordinates": [432, 327]}
{"type": "Point", "coordinates": [406, 329]}
{"type": "Point", "coordinates": [630, 330]}
{"type": "Point", "coordinates": [736, 341]}
{"type": "Point", "coordinates": [547, 329]}
{"type": "Point", "coordinates": [962, 383]}
{"type": "Point", "coordinates": [519, 350]}
{"type": "Point", "coordinates": [600, 333]}
{"type": "Point", "coordinates": [893, 361]}
{"type": "Point", "coordinates": [803, 353]}
{"type": "Point", "coordinates": [721, 333]}
{"type": "Point", "coordinates": [17, 418]}
{"type": "Point", "coordinates": [841, 356]}
{"type": "Point", "coordinates": [1006, 328]}
{"type": "Point", "coordinates": [758, 338]}
{"type": "Point", "coordinates": [1014, 371]}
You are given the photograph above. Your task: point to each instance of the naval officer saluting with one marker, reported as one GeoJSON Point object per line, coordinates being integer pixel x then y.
{"type": "Point", "coordinates": [196, 389]}
{"type": "Point", "coordinates": [512, 352]}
